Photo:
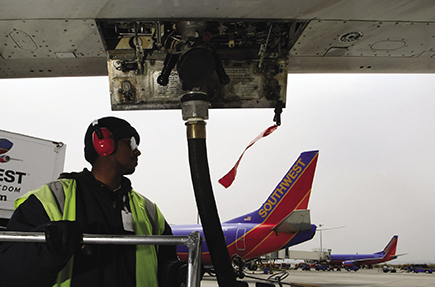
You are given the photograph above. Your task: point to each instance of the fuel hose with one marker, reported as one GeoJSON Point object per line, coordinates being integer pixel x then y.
{"type": "Point", "coordinates": [204, 196]}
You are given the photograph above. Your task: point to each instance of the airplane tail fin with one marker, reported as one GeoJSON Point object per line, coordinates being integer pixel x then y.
{"type": "Point", "coordinates": [390, 249]}
{"type": "Point", "coordinates": [291, 194]}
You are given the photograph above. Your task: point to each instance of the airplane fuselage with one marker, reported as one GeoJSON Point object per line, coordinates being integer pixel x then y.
{"type": "Point", "coordinates": [366, 259]}
{"type": "Point", "coordinates": [248, 240]}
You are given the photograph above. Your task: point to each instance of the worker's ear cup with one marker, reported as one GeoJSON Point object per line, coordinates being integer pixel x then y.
{"type": "Point", "coordinates": [103, 141]}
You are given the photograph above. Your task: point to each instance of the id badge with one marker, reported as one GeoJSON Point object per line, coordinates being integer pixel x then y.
{"type": "Point", "coordinates": [127, 220]}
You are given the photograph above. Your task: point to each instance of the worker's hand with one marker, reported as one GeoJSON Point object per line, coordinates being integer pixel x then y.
{"type": "Point", "coordinates": [63, 237]}
{"type": "Point", "coordinates": [174, 274]}
{"type": "Point", "coordinates": [181, 276]}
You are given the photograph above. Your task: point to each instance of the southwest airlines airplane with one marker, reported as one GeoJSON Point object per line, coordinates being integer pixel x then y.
{"type": "Point", "coordinates": [283, 220]}
{"type": "Point", "coordinates": [352, 260]}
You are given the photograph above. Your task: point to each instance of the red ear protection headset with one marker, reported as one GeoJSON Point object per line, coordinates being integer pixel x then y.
{"type": "Point", "coordinates": [102, 139]}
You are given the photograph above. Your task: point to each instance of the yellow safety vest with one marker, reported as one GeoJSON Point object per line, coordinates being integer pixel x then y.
{"type": "Point", "coordinates": [146, 257]}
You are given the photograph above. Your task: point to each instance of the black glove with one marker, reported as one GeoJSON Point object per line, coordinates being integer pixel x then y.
{"type": "Point", "coordinates": [181, 276]}
{"type": "Point", "coordinates": [174, 274]}
{"type": "Point", "coordinates": [63, 237]}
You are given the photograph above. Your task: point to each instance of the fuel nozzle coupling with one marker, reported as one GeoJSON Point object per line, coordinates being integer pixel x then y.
{"type": "Point", "coordinates": [194, 107]}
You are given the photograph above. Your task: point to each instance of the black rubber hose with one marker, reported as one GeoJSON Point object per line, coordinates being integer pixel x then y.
{"type": "Point", "coordinates": [220, 71]}
{"type": "Point", "coordinates": [169, 63]}
{"type": "Point", "coordinates": [208, 213]}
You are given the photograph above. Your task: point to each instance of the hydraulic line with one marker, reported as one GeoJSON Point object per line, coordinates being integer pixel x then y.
{"type": "Point", "coordinates": [205, 200]}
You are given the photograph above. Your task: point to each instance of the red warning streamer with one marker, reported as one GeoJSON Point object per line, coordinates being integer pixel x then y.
{"type": "Point", "coordinates": [228, 179]}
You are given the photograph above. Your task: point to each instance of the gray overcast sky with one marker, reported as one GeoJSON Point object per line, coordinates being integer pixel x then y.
{"type": "Point", "coordinates": [374, 132]}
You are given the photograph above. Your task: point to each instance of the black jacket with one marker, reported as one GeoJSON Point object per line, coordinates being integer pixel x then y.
{"type": "Point", "coordinates": [98, 211]}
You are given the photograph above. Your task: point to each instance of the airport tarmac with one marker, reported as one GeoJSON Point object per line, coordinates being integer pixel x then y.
{"type": "Point", "coordinates": [361, 278]}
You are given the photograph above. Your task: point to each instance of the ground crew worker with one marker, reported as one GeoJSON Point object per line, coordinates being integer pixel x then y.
{"type": "Point", "coordinates": [100, 201]}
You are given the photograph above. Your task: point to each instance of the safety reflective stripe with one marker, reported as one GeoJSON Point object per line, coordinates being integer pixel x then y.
{"type": "Point", "coordinates": [53, 199]}
{"type": "Point", "coordinates": [146, 255]}
{"type": "Point", "coordinates": [151, 212]}
{"type": "Point", "coordinates": [59, 195]}
{"type": "Point", "coordinates": [58, 190]}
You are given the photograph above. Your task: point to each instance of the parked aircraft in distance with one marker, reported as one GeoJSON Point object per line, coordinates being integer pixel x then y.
{"type": "Point", "coordinates": [283, 220]}
{"type": "Point", "coordinates": [354, 261]}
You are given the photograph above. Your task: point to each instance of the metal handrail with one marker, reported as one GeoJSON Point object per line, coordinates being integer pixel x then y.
{"type": "Point", "coordinates": [192, 241]}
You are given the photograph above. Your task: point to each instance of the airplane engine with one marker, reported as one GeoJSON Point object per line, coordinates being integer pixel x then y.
{"type": "Point", "coordinates": [348, 263]}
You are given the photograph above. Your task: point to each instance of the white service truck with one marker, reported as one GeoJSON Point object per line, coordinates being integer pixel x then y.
{"type": "Point", "coordinates": [26, 163]}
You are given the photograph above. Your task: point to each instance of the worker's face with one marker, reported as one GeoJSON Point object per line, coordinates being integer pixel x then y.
{"type": "Point", "coordinates": [126, 155]}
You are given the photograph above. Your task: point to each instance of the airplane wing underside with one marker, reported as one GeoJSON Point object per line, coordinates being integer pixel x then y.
{"type": "Point", "coordinates": [64, 38]}
{"type": "Point", "coordinates": [359, 261]}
